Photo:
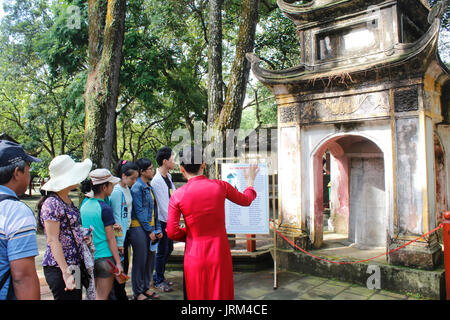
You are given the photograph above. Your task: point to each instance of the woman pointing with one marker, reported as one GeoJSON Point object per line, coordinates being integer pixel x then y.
{"type": "Point", "coordinates": [208, 268]}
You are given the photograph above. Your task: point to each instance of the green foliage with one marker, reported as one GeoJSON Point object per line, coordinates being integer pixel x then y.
{"type": "Point", "coordinates": [43, 72]}
{"type": "Point", "coordinates": [40, 169]}
{"type": "Point", "coordinates": [265, 113]}
{"type": "Point", "coordinates": [276, 42]}
{"type": "Point", "coordinates": [43, 109]}
{"type": "Point", "coordinates": [63, 47]}
{"type": "Point", "coordinates": [161, 77]}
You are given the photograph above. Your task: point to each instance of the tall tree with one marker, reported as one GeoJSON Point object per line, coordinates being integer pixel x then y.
{"type": "Point", "coordinates": [106, 35]}
{"type": "Point", "coordinates": [215, 87]}
{"type": "Point", "coordinates": [39, 92]}
{"type": "Point", "coordinates": [225, 112]}
{"type": "Point", "coordinates": [230, 115]}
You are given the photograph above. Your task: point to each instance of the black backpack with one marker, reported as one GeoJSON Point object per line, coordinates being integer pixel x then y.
{"type": "Point", "coordinates": [7, 274]}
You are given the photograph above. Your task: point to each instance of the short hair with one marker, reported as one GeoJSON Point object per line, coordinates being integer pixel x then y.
{"type": "Point", "coordinates": [143, 164]}
{"type": "Point", "coordinates": [6, 173]}
{"type": "Point", "coordinates": [163, 154]}
{"type": "Point", "coordinates": [125, 167]}
{"type": "Point", "coordinates": [187, 159]}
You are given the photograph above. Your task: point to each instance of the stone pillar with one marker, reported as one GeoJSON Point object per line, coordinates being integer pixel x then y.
{"type": "Point", "coordinates": [289, 171]}
{"type": "Point", "coordinates": [443, 131]}
{"type": "Point", "coordinates": [339, 215]}
{"type": "Point", "coordinates": [415, 182]}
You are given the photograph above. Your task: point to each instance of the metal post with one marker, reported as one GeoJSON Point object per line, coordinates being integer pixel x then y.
{"type": "Point", "coordinates": [251, 244]}
{"type": "Point", "coordinates": [275, 220]}
{"type": "Point", "coordinates": [446, 236]}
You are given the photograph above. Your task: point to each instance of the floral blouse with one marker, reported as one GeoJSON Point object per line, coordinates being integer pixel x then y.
{"type": "Point", "coordinates": [53, 209]}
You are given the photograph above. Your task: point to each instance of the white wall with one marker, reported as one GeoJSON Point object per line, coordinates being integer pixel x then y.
{"type": "Point", "coordinates": [313, 137]}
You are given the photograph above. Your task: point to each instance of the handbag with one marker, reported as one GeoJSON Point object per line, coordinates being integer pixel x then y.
{"type": "Point", "coordinates": [85, 277]}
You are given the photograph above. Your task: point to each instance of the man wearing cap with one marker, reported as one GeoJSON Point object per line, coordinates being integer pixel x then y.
{"type": "Point", "coordinates": [18, 244]}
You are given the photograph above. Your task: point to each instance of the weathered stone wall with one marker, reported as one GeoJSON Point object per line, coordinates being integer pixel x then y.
{"type": "Point", "coordinates": [408, 176]}
{"type": "Point", "coordinates": [443, 131]}
{"type": "Point", "coordinates": [289, 176]}
{"type": "Point", "coordinates": [313, 138]}
{"type": "Point", "coordinates": [368, 215]}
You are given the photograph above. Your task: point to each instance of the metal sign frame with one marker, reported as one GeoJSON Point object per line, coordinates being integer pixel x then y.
{"type": "Point", "coordinates": [275, 212]}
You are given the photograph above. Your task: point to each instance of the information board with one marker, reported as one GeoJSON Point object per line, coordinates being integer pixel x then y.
{"type": "Point", "coordinates": [255, 218]}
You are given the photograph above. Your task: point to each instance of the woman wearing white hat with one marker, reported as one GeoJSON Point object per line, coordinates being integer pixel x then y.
{"type": "Point", "coordinates": [97, 213]}
{"type": "Point", "coordinates": [62, 226]}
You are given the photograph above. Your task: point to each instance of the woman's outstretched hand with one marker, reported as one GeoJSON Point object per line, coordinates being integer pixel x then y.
{"type": "Point", "coordinates": [251, 173]}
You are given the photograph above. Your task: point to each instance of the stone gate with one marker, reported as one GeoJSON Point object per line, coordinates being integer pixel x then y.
{"type": "Point", "coordinates": [372, 93]}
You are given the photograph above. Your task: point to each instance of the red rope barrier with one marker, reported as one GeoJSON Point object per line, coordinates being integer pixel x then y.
{"type": "Point", "coordinates": [352, 262]}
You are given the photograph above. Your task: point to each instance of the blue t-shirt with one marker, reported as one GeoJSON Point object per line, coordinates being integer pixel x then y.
{"type": "Point", "coordinates": [17, 235]}
{"type": "Point", "coordinates": [122, 204]}
{"type": "Point", "coordinates": [96, 213]}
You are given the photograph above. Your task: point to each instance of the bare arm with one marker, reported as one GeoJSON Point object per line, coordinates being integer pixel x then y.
{"type": "Point", "coordinates": [25, 279]}
{"type": "Point", "coordinates": [112, 244]}
{"type": "Point", "coordinates": [250, 174]}
{"type": "Point", "coordinates": [246, 198]}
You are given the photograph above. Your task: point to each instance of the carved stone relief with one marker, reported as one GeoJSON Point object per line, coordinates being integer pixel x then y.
{"type": "Point", "coordinates": [345, 108]}
{"type": "Point", "coordinates": [289, 114]}
{"type": "Point", "coordinates": [406, 100]}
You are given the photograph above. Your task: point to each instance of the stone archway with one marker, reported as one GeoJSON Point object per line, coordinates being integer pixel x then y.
{"type": "Point", "coordinates": [358, 197]}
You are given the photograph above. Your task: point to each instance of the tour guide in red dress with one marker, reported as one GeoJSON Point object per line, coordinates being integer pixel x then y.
{"type": "Point", "coordinates": [208, 269]}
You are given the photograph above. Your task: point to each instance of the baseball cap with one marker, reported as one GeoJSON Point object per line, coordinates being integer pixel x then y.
{"type": "Point", "coordinates": [12, 153]}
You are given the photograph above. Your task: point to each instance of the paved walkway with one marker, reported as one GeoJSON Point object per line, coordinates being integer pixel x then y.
{"type": "Point", "coordinates": [259, 286]}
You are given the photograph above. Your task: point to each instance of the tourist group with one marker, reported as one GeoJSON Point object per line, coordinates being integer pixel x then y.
{"type": "Point", "coordinates": [136, 207]}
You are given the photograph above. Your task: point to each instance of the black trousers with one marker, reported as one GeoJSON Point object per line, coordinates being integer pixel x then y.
{"type": "Point", "coordinates": [55, 281]}
{"type": "Point", "coordinates": [118, 291]}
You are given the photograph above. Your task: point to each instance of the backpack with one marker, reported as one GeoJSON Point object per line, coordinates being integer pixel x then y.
{"type": "Point", "coordinates": [7, 274]}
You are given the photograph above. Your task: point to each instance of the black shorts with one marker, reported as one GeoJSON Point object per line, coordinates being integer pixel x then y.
{"type": "Point", "coordinates": [102, 267]}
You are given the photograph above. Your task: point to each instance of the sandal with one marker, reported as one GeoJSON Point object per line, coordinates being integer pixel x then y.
{"type": "Point", "coordinates": [152, 296]}
{"type": "Point", "coordinates": [146, 298]}
{"type": "Point", "coordinates": [170, 283]}
{"type": "Point", "coordinates": [163, 287]}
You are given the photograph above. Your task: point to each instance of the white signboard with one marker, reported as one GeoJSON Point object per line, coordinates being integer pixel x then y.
{"type": "Point", "coordinates": [253, 219]}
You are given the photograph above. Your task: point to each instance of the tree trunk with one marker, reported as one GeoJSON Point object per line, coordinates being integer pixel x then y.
{"type": "Point", "coordinates": [106, 34]}
{"type": "Point", "coordinates": [227, 115]}
{"type": "Point", "coordinates": [215, 89]}
{"type": "Point", "coordinates": [215, 80]}
{"type": "Point", "coordinates": [230, 115]}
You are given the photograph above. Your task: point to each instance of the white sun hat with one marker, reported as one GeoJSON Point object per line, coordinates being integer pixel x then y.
{"type": "Point", "coordinates": [65, 172]}
{"type": "Point", "coordinates": [99, 176]}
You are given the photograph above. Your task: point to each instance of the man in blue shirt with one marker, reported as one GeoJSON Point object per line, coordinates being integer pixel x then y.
{"type": "Point", "coordinates": [18, 244]}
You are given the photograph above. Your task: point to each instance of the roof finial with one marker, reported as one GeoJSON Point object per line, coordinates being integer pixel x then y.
{"type": "Point", "coordinates": [438, 10]}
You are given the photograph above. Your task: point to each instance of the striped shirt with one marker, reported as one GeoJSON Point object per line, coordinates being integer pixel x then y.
{"type": "Point", "coordinates": [17, 235]}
